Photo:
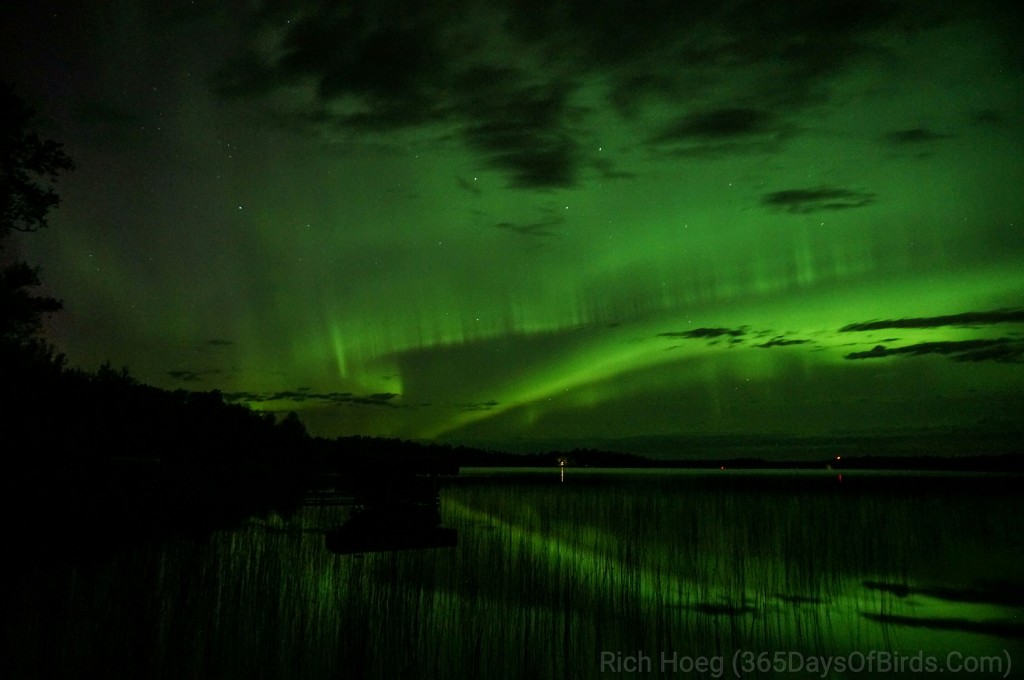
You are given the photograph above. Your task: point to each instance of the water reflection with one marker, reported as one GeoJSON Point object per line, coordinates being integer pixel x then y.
{"type": "Point", "coordinates": [394, 524]}
{"type": "Point", "coordinates": [388, 513]}
{"type": "Point", "coordinates": [547, 575]}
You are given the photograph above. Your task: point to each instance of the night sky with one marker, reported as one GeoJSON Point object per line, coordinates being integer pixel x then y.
{"type": "Point", "coordinates": [534, 221]}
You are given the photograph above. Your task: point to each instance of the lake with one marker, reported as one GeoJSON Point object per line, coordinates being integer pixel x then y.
{"type": "Point", "coordinates": [564, 574]}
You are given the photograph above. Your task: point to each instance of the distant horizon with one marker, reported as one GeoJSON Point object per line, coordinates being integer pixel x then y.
{"type": "Point", "coordinates": [774, 446]}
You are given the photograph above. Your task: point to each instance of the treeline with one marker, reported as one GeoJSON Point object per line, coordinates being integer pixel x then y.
{"type": "Point", "coordinates": [369, 453]}
{"type": "Point", "coordinates": [348, 453]}
{"type": "Point", "coordinates": [105, 453]}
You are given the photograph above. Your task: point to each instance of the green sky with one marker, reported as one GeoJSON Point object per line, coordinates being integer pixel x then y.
{"type": "Point", "coordinates": [527, 221]}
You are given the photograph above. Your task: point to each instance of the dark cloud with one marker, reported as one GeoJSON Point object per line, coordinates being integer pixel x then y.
{"type": "Point", "coordinates": [541, 229]}
{"type": "Point", "coordinates": [379, 68]}
{"type": "Point", "coordinates": [549, 162]}
{"type": "Point", "coordinates": [803, 201]}
{"type": "Point", "coordinates": [748, 147]}
{"type": "Point", "coordinates": [706, 333]}
{"type": "Point", "coordinates": [685, 48]}
{"type": "Point", "coordinates": [965, 319]}
{"type": "Point", "coordinates": [914, 136]}
{"type": "Point", "coordinates": [305, 394]}
{"type": "Point", "coordinates": [735, 336]}
{"type": "Point", "coordinates": [503, 75]}
{"type": "Point", "coordinates": [720, 132]}
{"type": "Point", "coordinates": [389, 56]}
{"type": "Point", "coordinates": [523, 130]}
{"type": "Point", "coordinates": [218, 342]}
{"type": "Point", "coordinates": [192, 376]}
{"type": "Point", "coordinates": [716, 124]}
{"type": "Point", "coordinates": [781, 341]}
{"type": "Point", "coordinates": [478, 406]}
{"type": "Point", "coordinates": [1000, 349]}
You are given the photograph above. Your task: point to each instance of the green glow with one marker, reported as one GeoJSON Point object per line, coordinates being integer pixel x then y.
{"type": "Point", "coordinates": [411, 271]}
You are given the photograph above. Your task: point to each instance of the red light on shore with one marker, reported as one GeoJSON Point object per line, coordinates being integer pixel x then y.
{"type": "Point", "coordinates": [839, 457]}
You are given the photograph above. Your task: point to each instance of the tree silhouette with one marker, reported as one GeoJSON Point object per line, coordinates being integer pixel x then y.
{"type": "Point", "coordinates": [29, 168]}
{"type": "Point", "coordinates": [21, 313]}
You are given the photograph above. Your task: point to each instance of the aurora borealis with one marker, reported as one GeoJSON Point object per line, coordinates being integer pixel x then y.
{"type": "Point", "coordinates": [531, 221]}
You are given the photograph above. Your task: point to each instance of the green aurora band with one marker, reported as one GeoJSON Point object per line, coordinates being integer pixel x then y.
{"type": "Point", "coordinates": [551, 253]}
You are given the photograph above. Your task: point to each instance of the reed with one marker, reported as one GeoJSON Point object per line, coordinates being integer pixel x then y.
{"type": "Point", "coordinates": [546, 576]}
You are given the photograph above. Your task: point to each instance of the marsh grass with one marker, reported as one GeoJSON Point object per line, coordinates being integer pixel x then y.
{"type": "Point", "coordinates": [546, 576]}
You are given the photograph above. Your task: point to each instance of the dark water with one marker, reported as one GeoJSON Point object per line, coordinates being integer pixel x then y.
{"type": "Point", "coordinates": [604, 574]}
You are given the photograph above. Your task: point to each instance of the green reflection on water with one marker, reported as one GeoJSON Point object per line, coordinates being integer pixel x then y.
{"type": "Point", "coordinates": [549, 574]}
